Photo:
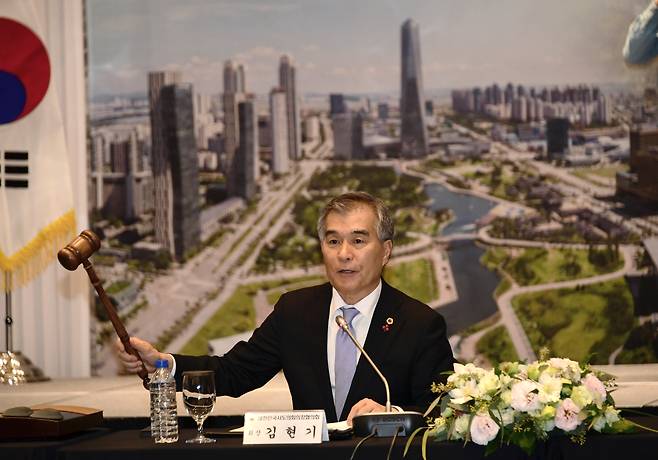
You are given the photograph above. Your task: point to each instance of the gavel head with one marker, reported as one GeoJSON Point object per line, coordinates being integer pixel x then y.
{"type": "Point", "coordinates": [78, 250]}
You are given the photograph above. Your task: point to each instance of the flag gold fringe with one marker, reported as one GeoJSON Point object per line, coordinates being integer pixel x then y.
{"type": "Point", "coordinates": [28, 262]}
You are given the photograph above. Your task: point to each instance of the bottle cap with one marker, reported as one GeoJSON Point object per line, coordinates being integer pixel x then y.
{"type": "Point", "coordinates": [162, 363]}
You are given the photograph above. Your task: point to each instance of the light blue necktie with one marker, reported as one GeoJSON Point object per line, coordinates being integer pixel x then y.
{"type": "Point", "coordinates": [345, 359]}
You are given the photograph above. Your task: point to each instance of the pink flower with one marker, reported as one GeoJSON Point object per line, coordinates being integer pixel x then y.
{"type": "Point", "coordinates": [595, 386]}
{"type": "Point", "coordinates": [483, 429]}
{"type": "Point", "coordinates": [567, 415]}
{"type": "Point", "coordinates": [524, 396]}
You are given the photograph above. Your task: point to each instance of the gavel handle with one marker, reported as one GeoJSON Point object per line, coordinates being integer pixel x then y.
{"type": "Point", "coordinates": [116, 321]}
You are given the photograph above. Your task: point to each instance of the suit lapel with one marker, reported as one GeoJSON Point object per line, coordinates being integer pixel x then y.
{"type": "Point", "coordinates": [378, 342]}
{"type": "Point", "coordinates": [317, 321]}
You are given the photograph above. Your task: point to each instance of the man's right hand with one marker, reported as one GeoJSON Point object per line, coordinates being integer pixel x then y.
{"type": "Point", "coordinates": [146, 351]}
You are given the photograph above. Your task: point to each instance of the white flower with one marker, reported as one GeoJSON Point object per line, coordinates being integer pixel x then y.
{"type": "Point", "coordinates": [483, 429]}
{"type": "Point", "coordinates": [461, 426]}
{"type": "Point", "coordinates": [566, 368]}
{"type": "Point", "coordinates": [598, 423]}
{"type": "Point", "coordinates": [507, 416]}
{"type": "Point", "coordinates": [595, 387]}
{"type": "Point", "coordinates": [489, 383]}
{"type": "Point", "coordinates": [567, 415]}
{"type": "Point", "coordinates": [547, 425]}
{"type": "Point", "coordinates": [464, 393]}
{"type": "Point", "coordinates": [611, 415]}
{"type": "Point", "coordinates": [581, 396]}
{"type": "Point", "coordinates": [549, 388]}
{"type": "Point", "coordinates": [524, 398]}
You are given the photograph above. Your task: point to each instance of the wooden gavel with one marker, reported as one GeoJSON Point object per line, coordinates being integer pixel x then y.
{"type": "Point", "coordinates": [78, 252]}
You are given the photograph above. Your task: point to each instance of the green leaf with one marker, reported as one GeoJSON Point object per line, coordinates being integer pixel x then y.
{"type": "Point", "coordinates": [526, 441]}
{"type": "Point", "coordinates": [432, 406]}
{"type": "Point", "coordinates": [411, 438]}
{"type": "Point", "coordinates": [423, 446]}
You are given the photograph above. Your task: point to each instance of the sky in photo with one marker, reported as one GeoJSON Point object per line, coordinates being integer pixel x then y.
{"type": "Point", "coordinates": [353, 46]}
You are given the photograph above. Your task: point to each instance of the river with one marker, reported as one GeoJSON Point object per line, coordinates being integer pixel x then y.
{"type": "Point", "coordinates": [475, 284]}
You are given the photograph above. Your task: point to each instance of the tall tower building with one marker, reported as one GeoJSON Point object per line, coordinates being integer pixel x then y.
{"type": "Point", "coordinates": [162, 186]}
{"type": "Point", "coordinates": [348, 136]}
{"type": "Point", "coordinates": [245, 162]}
{"type": "Point", "coordinates": [413, 131]}
{"type": "Point", "coordinates": [287, 81]}
{"type": "Point", "coordinates": [241, 79]}
{"type": "Point", "coordinates": [177, 116]}
{"type": "Point", "coordinates": [557, 137]}
{"type": "Point", "coordinates": [234, 80]}
{"type": "Point", "coordinates": [336, 104]}
{"type": "Point", "coordinates": [279, 124]}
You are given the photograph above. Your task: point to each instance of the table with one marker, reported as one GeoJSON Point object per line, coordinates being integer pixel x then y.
{"type": "Point", "coordinates": [128, 444]}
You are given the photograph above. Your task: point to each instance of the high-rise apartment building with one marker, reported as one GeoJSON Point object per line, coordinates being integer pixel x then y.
{"type": "Point", "coordinates": [557, 137]}
{"type": "Point", "coordinates": [279, 125]}
{"type": "Point", "coordinates": [177, 118]}
{"type": "Point", "coordinates": [288, 82]}
{"type": "Point", "coordinates": [234, 81]}
{"type": "Point", "coordinates": [162, 186]}
{"type": "Point", "coordinates": [120, 179]}
{"type": "Point", "coordinates": [336, 104]}
{"type": "Point", "coordinates": [348, 136]}
{"type": "Point", "coordinates": [382, 111]}
{"type": "Point", "coordinates": [413, 130]}
{"type": "Point", "coordinates": [245, 162]}
{"type": "Point", "coordinates": [644, 161]}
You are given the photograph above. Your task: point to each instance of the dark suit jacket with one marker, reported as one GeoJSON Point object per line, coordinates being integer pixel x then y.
{"type": "Point", "coordinates": [411, 353]}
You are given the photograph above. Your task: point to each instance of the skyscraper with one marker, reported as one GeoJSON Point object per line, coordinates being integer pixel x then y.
{"type": "Point", "coordinates": [162, 187]}
{"type": "Point", "coordinates": [245, 162]}
{"type": "Point", "coordinates": [177, 115]}
{"type": "Point", "coordinates": [557, 137]}
{"type": "Point", "coordinates": [348, 136]}
{"type": "Point", "coordinates": [287, 81]}
{"type": "Point", "coordinates": [279, 124]}
{"type": "Point", "coordinates": [234, 80]}
{"type": "Point", "coordinates": [413, 131]}
{"type": "Point", "coordinates": [336, 104]}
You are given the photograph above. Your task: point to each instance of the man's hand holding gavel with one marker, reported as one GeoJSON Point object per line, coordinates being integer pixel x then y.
{"type": "Point", "coordinates": [146, 351]}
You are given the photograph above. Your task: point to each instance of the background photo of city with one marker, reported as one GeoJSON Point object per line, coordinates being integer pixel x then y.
{"type": "Point", "coordinates": [517, 150]}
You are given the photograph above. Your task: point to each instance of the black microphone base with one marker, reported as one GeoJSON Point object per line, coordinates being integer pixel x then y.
{"type": "Point", "coordinates": [387, 423]}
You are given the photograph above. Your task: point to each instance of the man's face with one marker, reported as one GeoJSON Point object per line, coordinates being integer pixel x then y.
{"type": "Point", "coordinates": [354, 257]}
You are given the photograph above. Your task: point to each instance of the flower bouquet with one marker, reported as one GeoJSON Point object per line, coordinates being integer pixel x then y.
{"type": "Point", "coordinates": [521, 404]}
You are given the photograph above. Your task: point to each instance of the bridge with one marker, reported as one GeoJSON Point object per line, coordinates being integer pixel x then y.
{"type": "Point", "coordinates": [456, 238]}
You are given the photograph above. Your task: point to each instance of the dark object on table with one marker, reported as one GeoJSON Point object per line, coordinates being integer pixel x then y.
{"type": "Point", "coordinates": [388, 423]}
{"type": "Point", "coordinates": [78, 252]}
{"type": "Point", "coordinates": [73, 420]}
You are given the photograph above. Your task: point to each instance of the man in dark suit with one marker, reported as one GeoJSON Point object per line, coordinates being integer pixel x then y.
{"type": "Point", "coordinates": [404, 337]}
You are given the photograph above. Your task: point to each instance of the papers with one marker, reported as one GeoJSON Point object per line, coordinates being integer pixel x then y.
{"type": "Point", "coordinates": [338, 426]}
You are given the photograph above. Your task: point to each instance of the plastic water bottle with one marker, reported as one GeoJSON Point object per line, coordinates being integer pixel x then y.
{"type": "Point", "coordinates": [164, 419]}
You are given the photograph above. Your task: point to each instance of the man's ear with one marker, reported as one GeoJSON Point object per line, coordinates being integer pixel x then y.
{"type": "Point", "coordinates": [388, 249]}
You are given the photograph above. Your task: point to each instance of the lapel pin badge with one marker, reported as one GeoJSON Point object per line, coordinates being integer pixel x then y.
{"type": "Point", "coordinates": [387, 326]}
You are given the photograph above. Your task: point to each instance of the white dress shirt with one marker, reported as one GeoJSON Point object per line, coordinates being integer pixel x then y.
{"type": "Point", "coordinates": [360, 324]}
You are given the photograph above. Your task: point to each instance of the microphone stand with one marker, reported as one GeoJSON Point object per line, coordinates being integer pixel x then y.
{"type": "Point", "coordinates": [387, 423]}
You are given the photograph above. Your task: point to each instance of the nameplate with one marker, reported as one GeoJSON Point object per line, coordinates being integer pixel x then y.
{"type": "Point", "coordinates": [294, 427]}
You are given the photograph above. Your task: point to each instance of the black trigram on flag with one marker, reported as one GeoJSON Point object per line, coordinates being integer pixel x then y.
{"type": "Point", "coordinates": [13, 169]}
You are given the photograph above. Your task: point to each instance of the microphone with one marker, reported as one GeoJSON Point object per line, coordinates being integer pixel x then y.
{"type": "Point", "coordinates": [387, 423]}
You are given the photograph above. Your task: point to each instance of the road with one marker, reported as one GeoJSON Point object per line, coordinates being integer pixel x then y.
{"type": "Point", "coordinates": [214, 272]}
{"type": "Point", "coordinates": [511, 321]}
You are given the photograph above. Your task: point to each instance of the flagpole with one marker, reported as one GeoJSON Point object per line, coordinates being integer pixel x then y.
{"type": "Point", "coordinates": [15, 368]}
{"type": "Point", "coordinates": [8, 319]}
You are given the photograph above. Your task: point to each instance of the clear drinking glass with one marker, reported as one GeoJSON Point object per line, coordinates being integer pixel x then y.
{"type": "Point", "coordinates": [199, 399]}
